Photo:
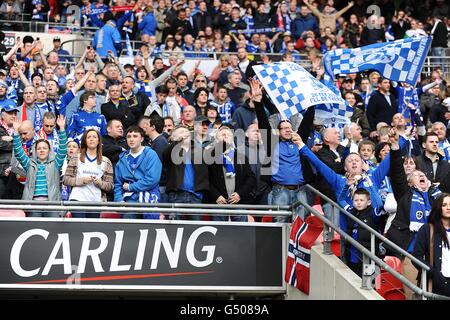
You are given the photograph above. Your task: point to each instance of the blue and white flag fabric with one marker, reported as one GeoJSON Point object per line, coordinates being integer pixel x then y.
{"type": "Point", "coordinates": [292, 88]}
{"type": "Point", "coordinates": [333, 115]}
{"type": "Point", "coordinates": [128, 44]}
{"type": "Point", "coordinates": [399, 60]}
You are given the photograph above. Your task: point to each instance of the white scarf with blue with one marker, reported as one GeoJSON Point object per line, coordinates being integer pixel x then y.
{"type": "Point", "coordinates": [228, 162]}
{"type": "Point", "coordinates": [420, 210]}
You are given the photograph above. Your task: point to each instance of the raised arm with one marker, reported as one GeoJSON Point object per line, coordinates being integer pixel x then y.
{"type": "Point", "coordinates": [313, 9]}
{"type": "Point", "coordinates": [305, 128]}
{"type": "Point", "coordinates": [22, 76]}
{"type": "Point", "coordinates": [82, 81]}
{"type": "Point", "coordinates": [344, 10]}
{"type": "Point", "coordinates": [83, 57]}
{"type": "Point", "coordinates": [336, 182]}
{"type": "Point", "coordinates": [12, 51]}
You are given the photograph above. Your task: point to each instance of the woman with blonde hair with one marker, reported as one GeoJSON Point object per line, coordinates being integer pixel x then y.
{"type": "Point", "coordinates": [90, 174]}
{"type": "Point", "coordinates": [223, 64]}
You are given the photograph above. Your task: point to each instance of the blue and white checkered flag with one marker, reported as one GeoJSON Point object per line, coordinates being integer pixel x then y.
{"type": "Point", "coordinates": [333, 115]}
{"type": "Point", "coordinates": [400, 60]}
{"type": "Point", "coordinates": [292, 88]}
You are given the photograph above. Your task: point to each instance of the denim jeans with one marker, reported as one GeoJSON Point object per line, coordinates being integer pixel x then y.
{"type": "Point", "coordinates": [438, 52]}
{"type": "Point", "coordinates": [283, 197]}
{"type": "Point", "coordinates": [231, 218]}
{"type": "Point", "coordinates": [183, 197]}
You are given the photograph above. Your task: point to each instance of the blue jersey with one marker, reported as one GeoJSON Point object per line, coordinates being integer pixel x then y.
{"type": "Point", "coordinates": [225, 110]}
{"type": "Point", "coordinates": [83, 120]}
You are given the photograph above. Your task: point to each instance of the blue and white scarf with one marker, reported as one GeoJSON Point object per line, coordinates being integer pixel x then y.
{"type": "Point", "coordinates": [419, 212]}
{"type": "Point", "coordinates": [228, 163]}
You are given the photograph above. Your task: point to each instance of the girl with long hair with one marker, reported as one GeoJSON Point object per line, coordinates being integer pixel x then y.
{"type": "Point", "coordinates": [89, 174]}
{"type": "Point", "coordinates": [435, 235]}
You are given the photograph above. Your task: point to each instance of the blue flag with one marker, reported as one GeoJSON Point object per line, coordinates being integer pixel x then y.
{"type": "Point", "coordinates": [399, 60]}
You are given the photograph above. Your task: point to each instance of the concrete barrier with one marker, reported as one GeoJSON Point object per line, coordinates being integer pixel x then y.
{"type": "Point", "coordinates": [331, 279]}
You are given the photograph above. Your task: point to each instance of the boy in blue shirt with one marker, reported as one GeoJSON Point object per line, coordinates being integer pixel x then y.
{"type": "Point", "coordinates": [86, 118]}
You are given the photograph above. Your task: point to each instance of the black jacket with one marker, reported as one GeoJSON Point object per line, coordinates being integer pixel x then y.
{"type": "Point", "coordinates": [425, 165]}
{"type": "Point", "coordinates": [440, 36]}
{"type": "Point", "coordinates": [399, 31]}
{"type": "Point", "coordinates": [137, 103]}
{"type": "Point", "coordinates": [399, 232]}
{"type": "Point", "coordinates": [175, 171]}
{"type": "Point", "coordinates": [112, 148]}
{"type": "Point", "coordinates": [379, 110]}
{"type": "Point", "coordinates": [122, 112]}
{"type": "Point", "coordinates": [244, 179]}
{"type": "Point", "coordinates": [329, 158]}
{"type": "Point", "coordinates": [421, 251]}
{"type": "Point", "coordinates": [363, 235]}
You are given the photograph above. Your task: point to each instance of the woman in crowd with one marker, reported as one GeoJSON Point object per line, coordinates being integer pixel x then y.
{"type": "Point", "coordinates": [433, 241]}
{"type": "Point", "coordinates": [90, 175]}
{"type": "Point", "coordinates": [43, 179]}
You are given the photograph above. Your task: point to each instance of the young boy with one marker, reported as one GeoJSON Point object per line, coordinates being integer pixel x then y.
{"type": "Point", "coordinates": [137, 174]}
{"type": "Point", "coordinates": [225, 107]}
{"type": "Point", "coordinates": [161, 106]}
{"type": "Point", "coordinates": [363, 210]}
{"type": "Point", "coordinates": [366, 150]}
{"type": "Point", "coordinates": [87, 118]}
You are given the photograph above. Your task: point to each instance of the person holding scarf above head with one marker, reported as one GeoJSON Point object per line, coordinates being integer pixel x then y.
{"type": "Point", "coordinates": [415, 194]}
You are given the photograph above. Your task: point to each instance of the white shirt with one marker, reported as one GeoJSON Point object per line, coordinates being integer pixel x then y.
{"type": "Point", "coordinates": [89, 192]}
{"type": "Point", "coordinates": [445, 263]}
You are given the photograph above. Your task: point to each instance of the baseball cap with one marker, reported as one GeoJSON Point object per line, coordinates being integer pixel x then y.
{"type": "Point", "coordinates": [4, 72]}
{"type": "Point", "coordinates": [9, 106]}
{"type": "Point", "coordinates": [287, 33]}
{"type": "Point", "coordinates": [3, 84]}
{"type": "Point", "coordinates": [202, 119]}
{"type": "Point", "coordinates": [57, 38]}
{"type": "Point", "coordinates": [348, 80]}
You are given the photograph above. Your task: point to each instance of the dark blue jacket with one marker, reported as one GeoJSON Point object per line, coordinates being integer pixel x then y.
{"type": "Point", "coordinates": [302, 24]}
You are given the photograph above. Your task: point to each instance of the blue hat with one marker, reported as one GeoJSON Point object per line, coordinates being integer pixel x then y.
{"type": "Point", "coordinates": [9, 105]}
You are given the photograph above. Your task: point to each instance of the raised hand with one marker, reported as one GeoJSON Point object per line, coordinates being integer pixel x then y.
{"type": "Point", "coordinates": [16, 125]}
{"type": "Point", "coordinates": [61, 122]}
{"type": "Point", "coordinates": [256, 90]}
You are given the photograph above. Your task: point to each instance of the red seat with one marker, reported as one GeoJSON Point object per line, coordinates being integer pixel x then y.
{"type": "Point", "coordinates": [387, 285]}
{"type": "Point", "coordinates": [12, 213]}
{"type": "Point", "coordinates": [109, 215]}
{"type": "Point", "coordinates": [390, 287]}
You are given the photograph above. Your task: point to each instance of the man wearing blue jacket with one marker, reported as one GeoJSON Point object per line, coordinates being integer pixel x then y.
{"type": "Point", "coordinates": [137, 174]}
{"type": "Point", "coordinates": [107, 39]}
{"type": "Point", "coordinates": [304, 22]}
{"type": "Point", "coordinates": [354, 177]}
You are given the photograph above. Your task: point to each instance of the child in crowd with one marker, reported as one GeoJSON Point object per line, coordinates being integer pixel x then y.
{"type": "Point", "coordinates": [225, 107]}
{"type": "Point", "coordinates": [366, 150]}
{"type": "Point", "coordinates": [86, 118]}
{"type": "Point", "coordinates": [363, 210]}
